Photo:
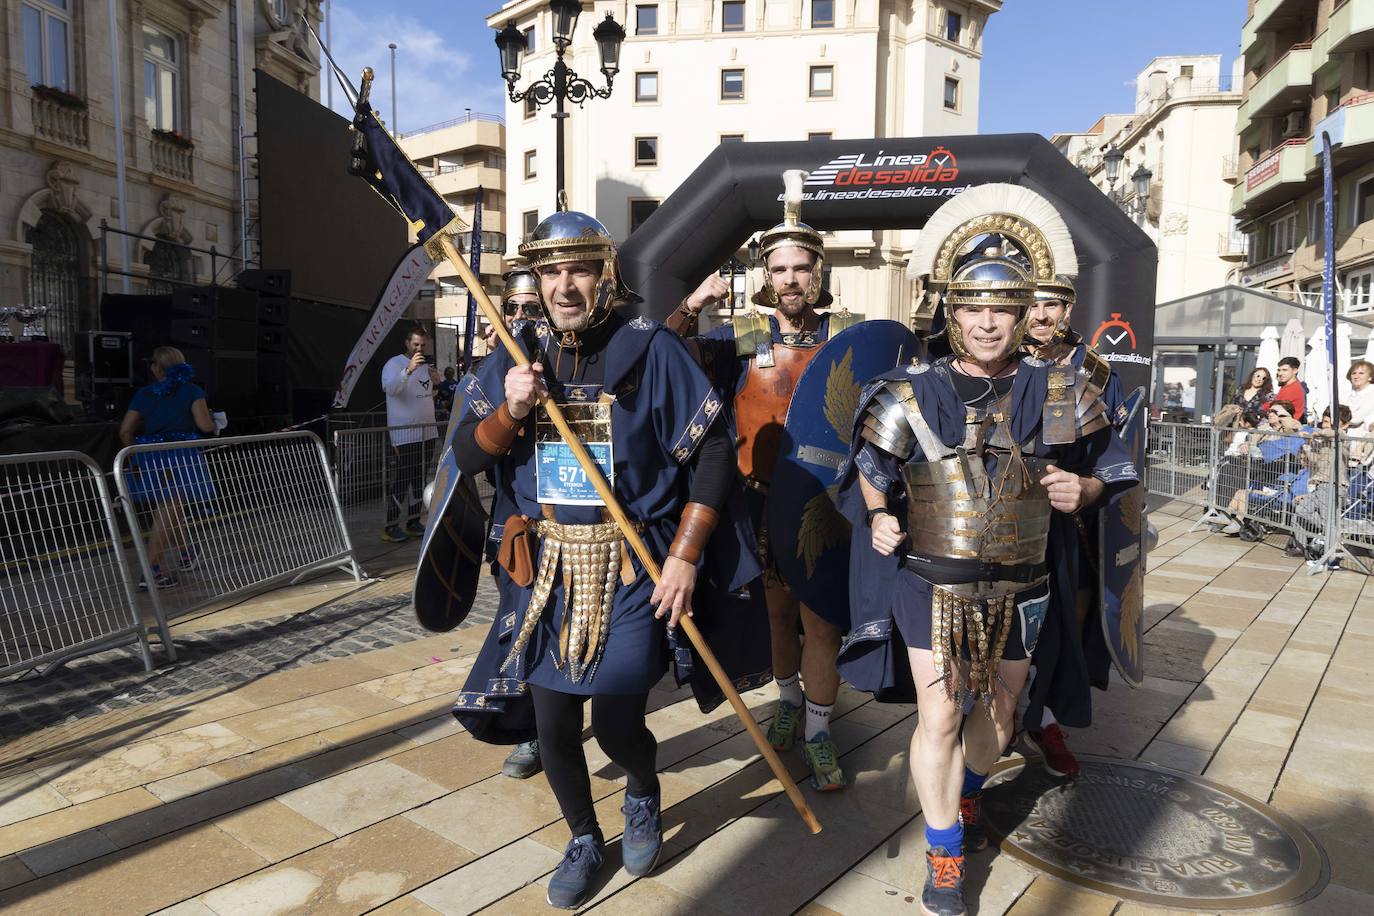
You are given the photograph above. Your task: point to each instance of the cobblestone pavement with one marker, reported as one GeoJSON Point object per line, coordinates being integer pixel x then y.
{"type": "Point", "coordinates": [345, 786]}
{"type": "Point", "coordinates": [219, 657]}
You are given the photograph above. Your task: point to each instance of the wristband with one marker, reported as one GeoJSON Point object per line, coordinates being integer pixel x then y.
{"type": "Point", "coordinates": [698, 521]}
{"type": "Point", "coordinates": [874, 513]}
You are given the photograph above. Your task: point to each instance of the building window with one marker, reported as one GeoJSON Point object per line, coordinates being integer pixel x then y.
{"type": "Point", "coordinates": [531, 163]}
{"type": "Point", "coordinates": [1280, 236]}
{"type": "Point", "coordinates": [161, 80]}
{"type": "Point", "coordinates": [732, 16]}
{"type": "Point", "coordinates": [169, 266]}
{"type": "Point", "coordinates": [731, 84]}
{"type": "Point", "coordinates": [55, 277]}
{"type": "Point", "coordinates": [1364, 202]}
{"type": "Point", "coordinates": [646, 151]}
{"type": "Point", "coordinates": [951, 94]}
{"type": "Point", "coordinates": [819, 135]}
{"type": "Point", "coordinates": [953, 24]}
{"type": "Point", "coordinates": [822, 82]}
{"type": "Point", "coordinates": [822, 14]}
{"type": "Point", "coordinates": [1315, 229]}
{"type": "Point", "coordinates": [530, 107]}
{"type": "Point", "coordinates": [732, 138]}
{"type": "Point", "coordinates": [529, 221]}
{"type": "Point", "coordinates": [646, 19]}
{"type": "Point", "coordinates": [1357, 295]}
{"type": "Point", "coordinates": [529, 40]}
{"type": "Point", "coordinates": [640, 210]}
{"type": "Point", "coordinates": [646, 87]}
{"type": "Point", "coordinates": [47, 43]}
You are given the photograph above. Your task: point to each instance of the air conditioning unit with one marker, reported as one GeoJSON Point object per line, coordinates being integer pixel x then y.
{"type": "Point", "coordinates": [1294, 125]}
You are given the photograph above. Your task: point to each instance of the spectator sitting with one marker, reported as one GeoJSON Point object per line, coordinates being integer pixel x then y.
{"type": "Point", "coordinates": [1312, 506]}
{"type": "Point", "coordinates": [169, 409]}
{"type": "Point", "coordinates": [1254, 397]}
{"type": "Point", "coordinates": [1274, 447]}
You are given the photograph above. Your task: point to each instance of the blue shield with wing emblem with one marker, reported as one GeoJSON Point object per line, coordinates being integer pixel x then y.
{"type": "Point", "coordinates": [1121, 556]}
{"type": "Point", "coordinates": [808, 538]}
{"type": "Point", "coordinates": [451, 553]}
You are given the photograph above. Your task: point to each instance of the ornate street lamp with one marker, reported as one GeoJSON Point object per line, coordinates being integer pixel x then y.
{"type": "Point", "coordinates": [1140, 180]}
{"type": "Point", "coordinates": [561, 83]}
{"type": "Point", "coordinates": [1111, 160]}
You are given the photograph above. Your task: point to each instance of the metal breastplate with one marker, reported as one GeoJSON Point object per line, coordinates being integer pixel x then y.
{"type": "Point", "coordinates": [761, 409]}
{"type": "Point", "coordinates": [956, 508]}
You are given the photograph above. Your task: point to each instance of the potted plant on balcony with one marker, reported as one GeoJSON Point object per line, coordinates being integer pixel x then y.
{"type": "Point", "coordinates": [175, 139]}
{"type": "Point", "coordinates": [60, 97]}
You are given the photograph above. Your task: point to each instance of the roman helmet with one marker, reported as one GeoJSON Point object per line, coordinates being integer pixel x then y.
{"type": "Point", "coordinates": [792, 232]}
{"type": "Point", "coordinates": [952, 257]}
{"type": "Point", "coordinates": [519, 281]}
{"type": "Point", "coordinates": [570, 235]}
{"type": "Point", "coordinates": [1058, 289]}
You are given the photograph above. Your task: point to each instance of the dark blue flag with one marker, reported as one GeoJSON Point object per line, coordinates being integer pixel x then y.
{"type": "Point", "coordinates": [391, 173]}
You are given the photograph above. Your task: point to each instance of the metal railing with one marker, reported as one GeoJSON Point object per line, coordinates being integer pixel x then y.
{"type": "Point", "coordinates": [454, 122]}
{"type": "Point", "coordinates": [218, 519]}
{"type": "Point", "coordinates": [65, 586]}
{"type": "Point", "coordinates": [380, 474]}
{"type": "Point", "coordinates": [1265, 481]}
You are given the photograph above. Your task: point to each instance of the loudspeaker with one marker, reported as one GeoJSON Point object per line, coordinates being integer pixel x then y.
{"type": "Point", "coordinates": [233, 383]}
{"type": "Point", "coordinates": [274, 386]}
{"type": "Point", "coordinates": [105, 357]}
{"type": "Point", "coordinates": [272, 282]}
{"type": "Point", "coordinates": [215, 302]}
{"type": "Point", "coordinates": [272, 310]}
{"type": "Point", "coordinates": [215, 333]}
{"type": "Point", "coordinates": [272, 340]}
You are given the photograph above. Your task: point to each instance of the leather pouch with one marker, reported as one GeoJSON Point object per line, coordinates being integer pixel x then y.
{"type": "Point", "coordinates": [515, 553]}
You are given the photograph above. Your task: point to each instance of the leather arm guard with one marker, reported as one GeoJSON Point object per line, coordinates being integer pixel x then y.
{"type": "Point", "coordinates": [496, 433]}
{"type": "Point", "coordinates": [683, 321]}
{"type": "Point", "coordinates": [698, 521]}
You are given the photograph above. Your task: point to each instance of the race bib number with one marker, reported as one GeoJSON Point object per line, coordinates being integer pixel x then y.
{"type": "Point", "coordinates": [560, 480]}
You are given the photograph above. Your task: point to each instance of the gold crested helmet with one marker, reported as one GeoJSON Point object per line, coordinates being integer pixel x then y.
{"type": "Point", "coordinates": [1058, 289]}
{"type": "Point", "coordinates": [953, 257]}
{"type": "Point", "coordinates": [518, 282]}
{"type": "Point", "coordinates": [792, 232]}
{"type": "Point", "coordinates": [570, 235]}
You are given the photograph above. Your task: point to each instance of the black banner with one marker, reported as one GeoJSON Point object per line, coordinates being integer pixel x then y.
{"type": "Point", "coordinates": [897, 183]}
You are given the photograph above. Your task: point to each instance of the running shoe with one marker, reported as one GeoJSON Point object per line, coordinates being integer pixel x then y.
{"type": "Point", "coordinates": [643, 837]}
{"type": "Point", "coordinates": [523, 761]}
{"type": "Point", "coordinates": [1054, 753]}
{"type": "Point", "coordinates": [415, 530]}
{"type": "Point", "coordinates": [943, 894]}
{"type": "Point", "coordinates": [393, 534]}
{"type": "Point", "coordinates": [571, 884]}
{"type": "Point", "coordinates": [782, 733]}
{"type": "Point", "coordinates": [970, 815]}
{"type": "Point", "coordinates": [824, 759]}
{"type": "Point", "coordinates": [160, 579]}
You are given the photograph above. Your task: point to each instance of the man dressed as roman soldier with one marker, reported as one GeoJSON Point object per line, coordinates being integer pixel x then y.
{"type": "Point", "coordinates": [756, 362]}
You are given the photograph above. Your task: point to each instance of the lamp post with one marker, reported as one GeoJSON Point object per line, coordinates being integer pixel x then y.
{"type": "Point", "coordinates": [395, 116]}
{"type": "Point", "coordinates": [1140, 181]}
{"type": "Point", "coordinates": [562, 82]}
{"type": "Point", "coordinates": [1111, 161]}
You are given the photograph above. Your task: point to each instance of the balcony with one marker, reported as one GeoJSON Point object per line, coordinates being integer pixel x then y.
{"type": "Point", "coordinates": [1232, 246]}
{"type": "Point", "coordinates": [1277, 14]}
{"type": "Point", "coordinates": [469, 178]}
{"type": "Point", "coordinates": [1285, 84]}
{"type": "Point", "coordinates": [1277, 176]}
{"type": "Point", "coordinates": [60, 119]}
{"type": "Point", "coordinates": [1351, 27]}
{"type": "Point", "coordinates": [173, 157]}
{"type": "Point", "coordinates": [1352, 133]}
{"type": "Point", "coordinates": [1230, 169]}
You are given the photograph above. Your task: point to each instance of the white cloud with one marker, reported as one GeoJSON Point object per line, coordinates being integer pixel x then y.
{"type": "Point", "coordinates": [434, 82]}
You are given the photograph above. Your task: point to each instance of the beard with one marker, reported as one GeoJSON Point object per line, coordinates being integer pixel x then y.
{"type": "Point", "coordinates": [789, 309]}
{"type": "Point", "coordinates": [574, 323]}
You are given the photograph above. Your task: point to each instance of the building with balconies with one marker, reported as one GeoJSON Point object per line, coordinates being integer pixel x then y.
{"type": "Point", "coordinates": [1180, 133]}
{"type": "Point", "coordinates": [173, 146]}
{"type": "Point", "coordinates": [459, 157]}
{"type": "Point", "coordinates": [698, 73]}
{"type": "Point", "coordinates": [1307, 69]}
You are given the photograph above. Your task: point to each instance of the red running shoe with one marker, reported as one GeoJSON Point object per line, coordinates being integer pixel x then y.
{"type": "Point", "coordinates": [1055, 755]}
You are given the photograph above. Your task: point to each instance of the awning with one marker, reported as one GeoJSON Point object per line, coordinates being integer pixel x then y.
{"type": "Point", "coordinates": [1238, 315]}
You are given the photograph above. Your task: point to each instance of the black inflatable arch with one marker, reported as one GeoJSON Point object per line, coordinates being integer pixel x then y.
{"type": "Point", "coordinates": [896, 183]}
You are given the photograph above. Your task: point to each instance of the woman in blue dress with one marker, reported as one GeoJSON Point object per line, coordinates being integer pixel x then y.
{"type": "Point", "coordinates": [171, 408]}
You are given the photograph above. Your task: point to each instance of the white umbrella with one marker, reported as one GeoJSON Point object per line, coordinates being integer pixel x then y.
{"type": "Point", "coordinates": [1268, 355]}
{"type": "Point", "coordinates": [1343, 331]}
{"type": "Point", "coordinates": [1292, 343]}
{"type": "Point", "coordinates": [1316, 373]}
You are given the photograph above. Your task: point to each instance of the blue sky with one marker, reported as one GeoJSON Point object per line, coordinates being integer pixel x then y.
{"type": "Point", "coordinates": [1048, 66]}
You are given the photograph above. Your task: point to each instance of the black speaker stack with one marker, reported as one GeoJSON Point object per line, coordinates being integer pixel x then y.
{"type": "Point", "coordinates": [235, 337]}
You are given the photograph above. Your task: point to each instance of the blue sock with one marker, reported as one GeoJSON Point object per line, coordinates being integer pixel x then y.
{"type": "Point", "coordinates": [951, 838]}
{"type": "Point", "coordinates": [973, 782]}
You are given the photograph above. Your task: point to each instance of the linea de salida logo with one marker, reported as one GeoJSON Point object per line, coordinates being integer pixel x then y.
{"type": "Point", "coordinates": [858, 176]}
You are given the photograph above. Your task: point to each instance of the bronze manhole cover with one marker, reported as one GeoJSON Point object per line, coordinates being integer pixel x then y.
{"type": "Point", "coordinates": [1151, 834]}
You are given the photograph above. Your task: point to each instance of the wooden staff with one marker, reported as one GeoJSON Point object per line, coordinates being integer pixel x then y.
{"type": "Point", "coordinates": [603, 489]}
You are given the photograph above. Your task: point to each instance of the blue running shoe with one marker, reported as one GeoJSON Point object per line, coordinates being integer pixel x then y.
{"type": "Point", "coordinates": [572, 882]}
{"type": "Point", "coordinates": [643, 837]}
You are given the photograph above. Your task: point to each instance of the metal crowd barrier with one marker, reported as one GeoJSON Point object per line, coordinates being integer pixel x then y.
{"type": "Point", "coordinates": [226, 518]}
{"type": "Point", "coordinates": [65, 586]}
{"type": "Point", "coordinates": [371, 472]}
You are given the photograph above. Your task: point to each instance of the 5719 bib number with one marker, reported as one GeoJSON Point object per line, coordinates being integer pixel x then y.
{"type": "Point", "coordinates": [560, 480]}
